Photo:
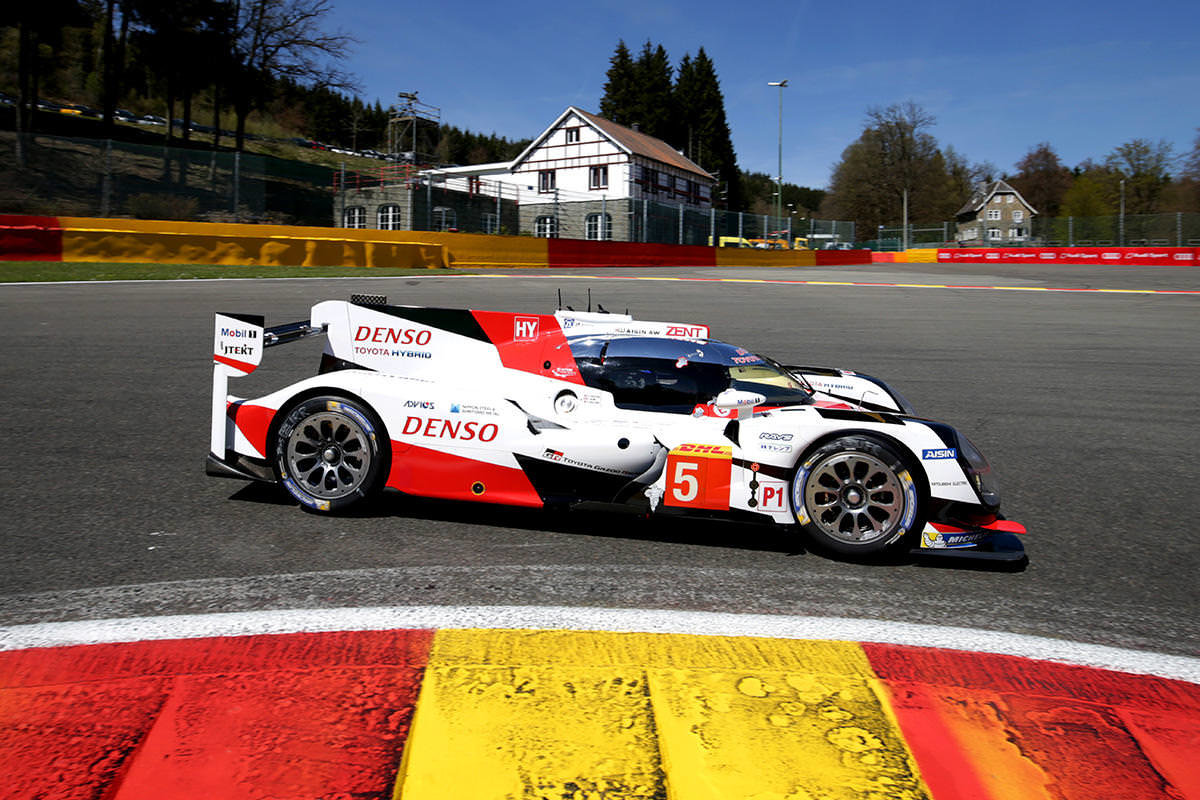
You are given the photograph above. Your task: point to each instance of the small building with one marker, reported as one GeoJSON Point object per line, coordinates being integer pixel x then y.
{"type": "Point", "coordinates": [995, 216]}
{"type": "Point", "coordinates": [581, 178]}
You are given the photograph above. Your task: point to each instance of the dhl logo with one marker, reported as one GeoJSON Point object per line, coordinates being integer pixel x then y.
{"type": "Point", "coordinates": [708, 450]}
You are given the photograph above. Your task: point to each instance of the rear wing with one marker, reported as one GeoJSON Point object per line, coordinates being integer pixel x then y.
{"type": "Point", "coordinates": [238, 344]}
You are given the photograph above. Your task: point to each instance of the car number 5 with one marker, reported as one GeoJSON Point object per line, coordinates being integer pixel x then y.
{"type": "Point", "coordinates": [685, 487]}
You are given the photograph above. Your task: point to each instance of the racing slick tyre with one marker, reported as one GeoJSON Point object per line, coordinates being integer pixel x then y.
{"type": "Point", "coordinates": [856, 497]}
{"type": "Point", "coordinates": [329, 452]}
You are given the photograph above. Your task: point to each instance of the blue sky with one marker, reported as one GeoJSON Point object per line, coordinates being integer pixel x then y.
{"type": "Point", "coordinates": [999, 77]}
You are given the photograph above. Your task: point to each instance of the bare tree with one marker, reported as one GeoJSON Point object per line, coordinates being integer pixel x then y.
{"type": "Point", "coordinates": [905, 150]}
{"type": "Point", "coordinates": [276, 39]}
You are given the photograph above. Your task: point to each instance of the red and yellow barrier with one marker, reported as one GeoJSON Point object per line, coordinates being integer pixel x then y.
{"type": "Point", "coordinates": [1071, 255]}
{"type": "Point", "coordinates": [151, 241]}
{"type": "Point", "coordinates": [502, 713]}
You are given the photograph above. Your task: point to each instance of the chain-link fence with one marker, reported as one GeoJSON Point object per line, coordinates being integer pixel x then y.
{"type": "Point", "coordinates": [1179, 229]}
{"type": "Point", "coordinates": [405, 198]}
{"type": "Point", "coordinates": [52, 175]}
{"type": "Point", "coordinates": [61, 176]}
{"type": "Point", "coordinates": [1173, 229]}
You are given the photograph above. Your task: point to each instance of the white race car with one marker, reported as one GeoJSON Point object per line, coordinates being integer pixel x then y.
{"type": "Point", "coordinates": [553, 410]}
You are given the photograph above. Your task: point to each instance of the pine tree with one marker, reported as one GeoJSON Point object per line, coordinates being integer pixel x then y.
{"type": "Point", "coordinates": [655, 100]}
{"type": "Point", "coordinates": [620, 90]}
{"type": "Point", "coordinates": [702, 117]}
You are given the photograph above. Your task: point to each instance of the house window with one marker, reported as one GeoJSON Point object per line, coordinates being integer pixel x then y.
{"type": "Point", "coordinates": [444, 218]}
{"type": "Point", "coordinates": [1016, 233]}
{"type": "Point", "coordinates": [1008, 198]}
{"type": "Point", "coordinates": [994, 234]}
{"type": "Point", "coordinates": [572, 135]}
{"type": "Point", "coordinates": [388, 218]}
{"type": "Point", "coordinates": [599, 227]}
{"type": "Point", "coordinates": [598, 177]}
{"type": "Point", "coordinates": [969, 233]}
{"type": "Point", "coordinates": [546, 227]}
{"type": "Point", "coordinates": [998, 199]}
{"type": "Point", "coordinates": [1018, 215]}
{"type": "Point", "coordinates": [993, 213]}
{"type": "Point", "coordinates": [546, 180]}
{"type": "Point", "coordinates": [491, 222]}
{"type": "Point", "coordinates": [354, 217]}
{"type": "Point", "coordinates": [650, 178]}
{"type": "Point", "coordinates": [474, 184]}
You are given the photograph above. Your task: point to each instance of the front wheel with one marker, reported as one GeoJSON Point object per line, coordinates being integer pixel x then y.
{"type": "Point", "coordinates": [855, 496]}
{"type": "Point", "coordinates": [328, 452]}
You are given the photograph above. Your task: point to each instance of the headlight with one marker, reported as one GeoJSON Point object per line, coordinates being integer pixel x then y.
{"type": "Point", "coordinates": [979, 471]}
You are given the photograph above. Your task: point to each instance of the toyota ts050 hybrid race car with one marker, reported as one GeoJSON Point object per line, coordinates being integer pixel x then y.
{"type": "Point", "coordinates": [552, 410]}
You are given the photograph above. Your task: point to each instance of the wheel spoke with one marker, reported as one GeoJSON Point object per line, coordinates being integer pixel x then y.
{"type": "Point", "coordinates": [328, 453]}
{"type": "Point", "coordinates": [854, 497]}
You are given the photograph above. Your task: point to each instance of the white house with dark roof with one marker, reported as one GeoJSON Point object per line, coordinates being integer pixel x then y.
{"type": "Point", "coordinates": [580, 178]}
{"type": "Point", "coordinates": [995, 216]}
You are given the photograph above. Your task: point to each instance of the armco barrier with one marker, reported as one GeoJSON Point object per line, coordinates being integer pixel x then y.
{"type": "Point", "coordinates": [81, 239]}
{"type": "Point", "coordinates": [30, 238]}
{"type": "Point", "coordinates": [1072, 255]}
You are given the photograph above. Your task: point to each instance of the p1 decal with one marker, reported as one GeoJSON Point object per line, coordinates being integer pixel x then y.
{"type": "Point", "coordinates": [238, 343]}
{"type": "Point", "coordinates": [774, 494]}
{"type": "Point", "coordinates": [698, 476]}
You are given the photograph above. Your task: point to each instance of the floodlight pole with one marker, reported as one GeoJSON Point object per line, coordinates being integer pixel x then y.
{"type": "Point", "coordinates": [779, 174]}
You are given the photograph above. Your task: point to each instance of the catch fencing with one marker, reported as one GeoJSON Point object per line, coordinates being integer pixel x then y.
{"type": "Point", "coordinates": [108, 178]}
{"type": "Point", "coordinates": [1171, 229]}
{"type": "Point", "coordinates": [54, 175]}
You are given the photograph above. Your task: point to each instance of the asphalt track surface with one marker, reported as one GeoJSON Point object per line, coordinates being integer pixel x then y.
{"type": "Point", "coordinates": [1085, 402]}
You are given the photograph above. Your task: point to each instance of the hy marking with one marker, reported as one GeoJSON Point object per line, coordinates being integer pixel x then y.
{"type": "Point", "coordinates": [251, 623]}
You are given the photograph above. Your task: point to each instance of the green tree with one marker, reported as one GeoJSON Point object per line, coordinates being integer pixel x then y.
{"type": "Point", "coordinates": [620, 90]}
{"type": "Point", "coordinates": [893, 157]}
{"type": "Point", "coordinates": [654, 110]}
{"type": "Point", "coordinates": [703, 127]}
{"type": "Point", "coordinates": [1145, 167]}
{"type": "Point", "coordinates": [1042, 180]}
{"type": "Point", "coordinates": [1091, 193]}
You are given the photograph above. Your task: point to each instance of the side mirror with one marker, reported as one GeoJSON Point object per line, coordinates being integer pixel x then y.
{"type": "Point", "coordinates": [742, 402]}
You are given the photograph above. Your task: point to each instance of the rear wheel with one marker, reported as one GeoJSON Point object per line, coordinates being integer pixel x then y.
{"type": "Point", "coordinates": [329, 452]}
{"type": "Point", "coordinates": [855, 496]}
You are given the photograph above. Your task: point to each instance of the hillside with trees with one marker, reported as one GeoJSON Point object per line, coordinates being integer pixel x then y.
{"type": "Point", "coordinates": [896, 156]}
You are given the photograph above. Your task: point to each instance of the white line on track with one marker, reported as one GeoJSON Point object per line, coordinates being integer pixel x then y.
{"type": "Point", "coordinates": [664, 278]}
{"type": "Point", "coordinates": [60, 634]}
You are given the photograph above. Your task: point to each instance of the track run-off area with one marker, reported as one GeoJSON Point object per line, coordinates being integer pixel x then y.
{"type": "Point", "coordinates": [165, 634]}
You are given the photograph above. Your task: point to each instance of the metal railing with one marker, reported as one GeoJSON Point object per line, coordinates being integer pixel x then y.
{"type": "Point", "coordinates": [1170, 229]}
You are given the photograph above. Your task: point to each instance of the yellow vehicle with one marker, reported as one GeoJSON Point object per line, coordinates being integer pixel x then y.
{"type": "Point", "coordinates": [731, 241]}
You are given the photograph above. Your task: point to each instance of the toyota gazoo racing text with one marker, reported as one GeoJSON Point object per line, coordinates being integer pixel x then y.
{"type": "Point", "coordinates": [551, 410]}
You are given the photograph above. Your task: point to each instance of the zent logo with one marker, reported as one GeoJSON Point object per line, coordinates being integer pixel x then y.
{"type": "Point", "coordinates": [687, 331]}
{"type": "Point", "coordinates": [932, 455]}
{"type": "Point", "coordinates": [525, 329]}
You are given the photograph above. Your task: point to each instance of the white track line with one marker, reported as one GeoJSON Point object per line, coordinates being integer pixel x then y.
{"type": "Point", "coordinates": [60, 634]}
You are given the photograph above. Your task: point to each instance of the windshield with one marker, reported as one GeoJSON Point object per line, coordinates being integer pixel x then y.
{"type": "Point", "coordinates": [675, 375]}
